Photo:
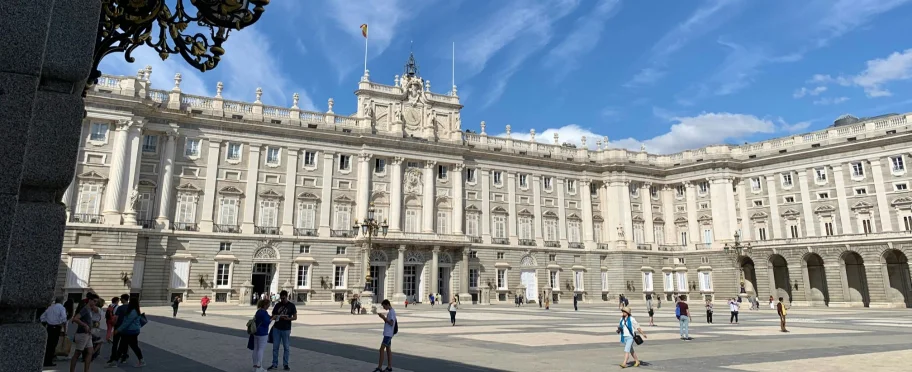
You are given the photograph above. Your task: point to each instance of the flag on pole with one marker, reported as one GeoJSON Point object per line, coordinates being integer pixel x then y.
{"type": "Point", "coordinates": [364, 30]}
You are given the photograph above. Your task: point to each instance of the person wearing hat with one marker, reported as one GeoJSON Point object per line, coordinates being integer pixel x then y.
{"type": "Point", "coordinates": [626, 329]}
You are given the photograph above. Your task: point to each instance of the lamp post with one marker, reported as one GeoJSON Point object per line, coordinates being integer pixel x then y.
{"type": "Point", "coordinates": [370, 228]}
{"type": "Point", "coordinates": [735, 251]}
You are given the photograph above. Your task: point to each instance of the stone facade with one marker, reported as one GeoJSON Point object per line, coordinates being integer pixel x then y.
{"type": "Point", "coordinates": [181, 194]}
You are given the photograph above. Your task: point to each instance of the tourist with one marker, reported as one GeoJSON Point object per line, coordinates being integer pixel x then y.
{"type": "Point", "coordinates": [120, 313]}
{"type": "Point", "coordinates": [261, 319]}
{"type": "Point", "coordinates": [175, 302]}
{"type": "Point", "coordinates": [649, 300]}
{"type": "Point", "coordinates": [352, 299]}
{"type": "Point", "coordinates": [68, 306]}
{"type": "Point", "coordinates": [109, 317]}
{"type": "Point", "coordinates": [547, 303]}
{"type": "Point", "coordinates": [756, 303]}
{"type": "Point", "coordinates": [540, 300]}
{"type": "Point", "coordinates": [358, 304]}
{"type": "Point", "coordinates": [99, 327]}
{"type": "Point", "coordinates": [734, 306]}
{"type": "Point", "coordinates": [431, 298]}
{"type": "Point", "coordinates": [390, 328]}
{"type": "Point", "coordinates": [453, 307]}
{"type": "Point", "coordinates": [709, 311]}
{"type": "Point", "coordinates": [651, 312]}
{"type": "Point", "coordinates": [82, 342]}
{"type": "Point", "coordinates": [283, 314]}
{"type": "Point", "coordinates": [575, 300]}
{"type": "Point", "coordinates": [626, 329]}
{"type": "Point", "coordinates": [683, 313]}
{"type": "Point", "coordinates": [772, 303]}
{"type": "Point", "coordinates": [782, 310]}
{"type": "Point", "coordinates": [54, 319]}
{"type": "Point", "coordinates": [621, 299]}
{"type": "Point", "coordinates": [129, 333]}
{"type": "Point", "coordinates": [204, 303]}
{"type": "Point", "coordinates": [439, 298]}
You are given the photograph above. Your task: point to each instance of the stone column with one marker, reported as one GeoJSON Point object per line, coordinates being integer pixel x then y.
{"type": "Point", "coordinates": [586, 200]}
{"type": "Point", "coordinates": [250, 192]}
{"type": "Point", "coordinates": [773, 199]}
{"type": "Point", "coordinates": [398, 295]}
{"type": "Point", "coordinates": [464, 294]}
{"type": "Point", "coordinates": [326, 194]}
{"type": "Point", "coordinates": [112, 213]}
{"type": "Point", "coordinates": [291, 180]}
{"type": "Point", "coordinates": [212, 160]}
{"type": "Point", "coordinates": [45, 56]}
{"type": "Point", "coordinates": [511, 208]}
{"type": "Point", "coordinates": [626, 215]}
{"type": "Point", "coordinates": [646, 196]}
{"type": "Point", "coordinates": [363, 196]}
{"type": "Point", "coordinates": [167, 179]}
{"type": "Point", "coordinates": [134, 141]}
{"type": "Point", "coordinates": [435, 263]}
{"type": "Point", "coordinates": [719, 209]}
{"type": "Point", "coordinates": [67, 199]}
{"type": "Point", "coordinates": [537, 222]}
{"type": "Point", "coordinates": [428, 197]}
{"type": "Point", "coordinates": [841, 200]}
{"type": "Point", "coordinates": [561, 185]}
{"type": "Point", "coordinates": [458, 200]}
{"type": "Point", "coordinates": [395, 211]}
{"type": "Point", "coordinates": [668, 195]}
{"type": "Point", "coordinates": [806, 211]}
{"type": "Point", "coordinates": [485, 204]}
{"type": "Point", "coordinates": [746, 231]}
{"type": "Point", "coordinates": [693, 228]}
{"type": "Point", "coordinates": [883, 207]}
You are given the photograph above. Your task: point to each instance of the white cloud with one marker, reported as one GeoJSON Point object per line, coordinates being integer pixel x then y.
{"type": "Point", "coordinates": [830, 101]}
{"type": "Point", "coordinates": [570, 133]}
{"type": "Point", "coordinates": [843, 16]}
{"type": "Point", "coordinates": [878, 73]}
{"type": "Point", "coordinates": [809, 92]}
{"type": "Point", "coordinates": [583, 38]}
{"type": "Point", "coordinates": [646, 76]}
{"type": "Point", "coordinates": [162, 77]}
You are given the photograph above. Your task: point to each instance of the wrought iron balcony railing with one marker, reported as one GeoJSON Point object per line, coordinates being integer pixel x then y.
{"type": "Point", "coordinates": [500, 241]}
{"type": "Point", "coordinates": [552, 243]}
{"type": "Point", "coordinates": [575, 245]}
{"type": "Point", "coordinates": [183, 226]}
{"type": "Point", "coordinates": [305, 232]}
{"type": "Point", "coordinates": [342, 233]}
{"type": "Point", "coordinates": [146, 224]}
{"type": "Point", "coordinates": [527, 242]}
{"type": "Point", "coordinates": [86, 218]}
{"type": "Point", "coordinates": [266, 230]}
{"type": "Point", "coordinates": [644, 247]}
{"type": "Point", "coordinates": [226, 228]}
{"type": "Point", "coordinates": [603, 246]}
{"type": "Point", "coordinates": [476, 239]}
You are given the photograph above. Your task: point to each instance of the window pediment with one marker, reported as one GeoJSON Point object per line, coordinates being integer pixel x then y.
{"type": "Point", "coordinates": [308, 196]}
{"type": "Point", "coordinates": [680, 220]}
{"type": "Point", "coordinates": [597, 218]}
{"type": "Point", "coordinates": [790, 213]}
{"type": "Point", "coordinates": [472, 209]}
{"type": "Point", "coordinates": [658, 220]}
{"type": "Point", "coordinates": [499, 210]}
{"type": "Point", "coordinates": [147, 183]}
{"type": "Point", "coordinates": [824, 209]}
{"type": "Point", "coordinates": [759, 216]}
{"type": "Point", "coordinates": [549, 214]}
{"type": "Point", "coordinates": [574, 216]}
{"type": "Point", "coordinates": [270, 194]}
{"type": "Point", "coordinates": [91, 176]}
{"type": "Point", "coordinates": [525, 212]}
{"type": "Point", "coordinates": [902, 201]}
{"type": "Point", "coordinates": [230, 190]}
{"type": "Point", "coordinates": [188, 187]}
{"type": "Point", "coordinates": [862, 205]}
{"type": "Point", "coordinates": [343, 199]}
{"type": "Point", "coordinates": [704, 218]}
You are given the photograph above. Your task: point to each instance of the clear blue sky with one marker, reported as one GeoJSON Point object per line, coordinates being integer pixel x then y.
{"type": "Point", "coordinates": [670, 74]}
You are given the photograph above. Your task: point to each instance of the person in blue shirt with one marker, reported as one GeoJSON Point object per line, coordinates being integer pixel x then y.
{"type": "Point", "coordinates": [129, 331]}
{"type": "Point", "coordinates": [119, 313]}
{"type": "Point", "coordinates": [262, 319]}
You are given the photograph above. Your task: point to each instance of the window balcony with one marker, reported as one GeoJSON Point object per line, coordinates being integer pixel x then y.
{"type": "Point", "coordinates": [704, 246]}
{"type": "Point", "coordinates": [576, 245]}
{"type": "Point", "coordinates": [86, 218]}
{"type": "Point", "coordinates": [527, 242]}
{"type": "Point", "coordinates": [644, 247]}
{"type": "Point", "coordinates": [603, 246]}
{"type": "Point", "coordinates": [552, 243]}
{"type": "Point", "coordinates": [183, 226]}
{"type": "Point", "coordinates": [342, 233]}
{"type": "Point", "coordinates": [226, 228]}
{"type": "Point", "coordinates": [503, 241]}
{"type": "Point", "coordinates": [266, 230]}
{"type": "Point", "coordinates": [671, 248]}
{"type": "Point", "coordinates": [146, 224]}
{"type": "Point", "coordinates": [305, 232]}
{"type": "Point", "coordinates": [476, 239]}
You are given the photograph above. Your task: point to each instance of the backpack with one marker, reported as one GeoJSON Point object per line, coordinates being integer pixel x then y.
{"type": "Point", "coordinates": [396, 327]}
{"type": "Point", "coordinates": [678, 312]}
{"type": "Point", "coordinates": [251, 326]}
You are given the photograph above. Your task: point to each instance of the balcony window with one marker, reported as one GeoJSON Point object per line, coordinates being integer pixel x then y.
{"type": "Point", "coordinates": [89, 198]}
{"type": "Point", "coordinates": [411, 220]}
{"type": "Point", "coordinates": [441, 172]}
{"type": "Point", "coordinates": [525, 227]}
{"type": "Point", "coordinates": [228, 211]}
{"type": "Point", "coordinates": [307, 212]}
{"type": "Point", "coordinates": [443, 222]}
{"type": "Point", "coordinates": [192, 148]}
{"type": "Point", "coordinates": [498, 178]}
{"type": "Point", "coordinates": [342, 217]}
{"type": "Point", "coordinates": [639, 235]}
{"type": "Point", "coordinates": [551, 229]}
{"type": "Point", "coordinates": [186, 208]}
{"type": "Point", "coordinates": [500, 227]}
{"type": "Point", "coordinates": [898, 166]}
{"type": "Point", "coordinates": [472, 224]}
{"type": "Point", "coordinates": [573, 231]}
{"type": "Point", "coordinates": [99, 132]}
{"type": "Point", "coordinates": [150, 144]}
{"type": "Point", "coordinates": [344, 162]}
{"type": "Point", "coordinates": [379, 165]}
{"type": "Point", "coordinates": [234, 152]}
{"type": "Point", "coordinates": [858, 170]}
{"type": "Point", "coordinates": [269, 213]}
{"type": "Point", "coordinates": [786, 180]}
{"type": "Point", "coordinates": [310, 159]}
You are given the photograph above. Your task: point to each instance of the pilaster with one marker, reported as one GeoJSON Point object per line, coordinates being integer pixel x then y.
{"type": "Point", "coordinates": [511, 208]}
{"type": "Point", "coordinates": [364, 185]}
{"type": "Point", "coordinates": [810, 227]}
{"type": "Point", "coordinates": [250, 193]}
{"type": "Point", "coordinates": [586, 196]}
{"type": "Point", "coordinates": [206, 220]}
{"type": "Point", "coordinates": [746, 232]}
{"type": "Point", "coordinates": [458, 200]}
{"type": "Point", "coordinates": [167, 180]}
{"type": "Point", "coordinates": [883, 207]}
{"type": "Point", "coordinates": [668, 214]}
{"type": "Point", "coordinates": [648, 228]}
{"type": "Point", "coordinates": [291, 178]}
{"type": "Point", "coordinates": [395, 212]}
{"type": "Point", "coordinates": [719, 209]}
{"type": "Point", "coordinates": [485, 204]}
{"type": "Point", "coordinates": [326, 194]}
{"type": "Point", "coordinates": [693, 228]}
{"type": "Point", "coordinates": [841, 200]}
{"type": "Point", "coordinates": [561, 185]}
{"type": "Point", "coordinates": [428, 198]}
{"type": "Point", "coordinates": [773, 199]}
{"type": "Point", "coordinates": [537, 222]}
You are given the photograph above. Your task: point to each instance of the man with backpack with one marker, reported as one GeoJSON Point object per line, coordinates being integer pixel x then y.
{"type": "Point", "coordinates": [682, 312]}
{"type": "Point", "coordinates": [390, 329]}
{"type": "Point", "coordinates": [120, 312]}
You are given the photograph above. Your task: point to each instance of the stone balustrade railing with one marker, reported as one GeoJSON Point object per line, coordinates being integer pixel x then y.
{"type": "Point", "coordinates": [837, 239]}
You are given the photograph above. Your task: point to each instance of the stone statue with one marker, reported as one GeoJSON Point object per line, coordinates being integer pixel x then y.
{"type": "Point", "coordinates": [458, 121]}
{"type": "Point", "coordinates": [134, 199]}
{"type": "Point", "coordinates": [620, 232]}
{"type": "Point", "coordinates": [397, 113]}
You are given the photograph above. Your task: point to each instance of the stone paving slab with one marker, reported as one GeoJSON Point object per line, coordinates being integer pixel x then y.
{"type": "Point", "coordinates": [891, 361]}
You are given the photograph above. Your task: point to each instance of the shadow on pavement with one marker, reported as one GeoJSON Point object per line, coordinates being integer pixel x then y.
{"type": "Point", "coordinates": [369, 355]}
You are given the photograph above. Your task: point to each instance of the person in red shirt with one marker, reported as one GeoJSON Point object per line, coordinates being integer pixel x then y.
{"type": "Point", "coordinates": [684, 320]}
{"type": "Point", "coordinates": [204, 302]}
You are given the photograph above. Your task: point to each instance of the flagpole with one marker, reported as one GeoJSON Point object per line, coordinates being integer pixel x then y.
{"type": "Point", "coordinates": [365, 52]}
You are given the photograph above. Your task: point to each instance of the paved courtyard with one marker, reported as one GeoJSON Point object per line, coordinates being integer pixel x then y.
{"type": "Point", "coordinates": [505, 338]}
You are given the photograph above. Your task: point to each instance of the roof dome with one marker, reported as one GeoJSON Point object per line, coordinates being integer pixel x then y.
{"type": "Point", "coordinates": [845, 120]}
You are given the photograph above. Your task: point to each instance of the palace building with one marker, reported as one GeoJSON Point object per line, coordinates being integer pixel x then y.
{"type": "Point", "coordinates": [191, 195]}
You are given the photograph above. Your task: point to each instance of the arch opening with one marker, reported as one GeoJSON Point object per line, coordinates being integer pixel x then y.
{"type": "Point", "coordinates": [856, 278]}
{"type": "Point", "coordinates": [897, 267]}
{"type": "Point", "coordinates": [817, 286]}
{"type": "Point", "coordinates": [781, 279]}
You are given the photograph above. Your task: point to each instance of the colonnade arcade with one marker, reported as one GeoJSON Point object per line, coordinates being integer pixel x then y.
{"type": "Point", "coordinates": [403, 272]}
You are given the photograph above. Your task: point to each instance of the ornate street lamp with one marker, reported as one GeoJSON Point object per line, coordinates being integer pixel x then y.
{"type": "Point", "coordinates": [125, 25]}
{"type": "Point", "coordinates": [370, 228]}
{"type": "Point", "coordinates": [735, 251]}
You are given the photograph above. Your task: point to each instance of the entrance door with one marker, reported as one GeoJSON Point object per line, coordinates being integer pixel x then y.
{"type": "Point", "coordinates": [443, 283]}
{"type": "Point", "coordinates": [409, 282]}
{"type": "Point", "coordinates": [262, 279]}
{"type": "Point", "coordinates": [423, 285]}
{"type": "Point", "coordinates": [530, 281]}
{"type": "Point", "coordinates": [378, 277]}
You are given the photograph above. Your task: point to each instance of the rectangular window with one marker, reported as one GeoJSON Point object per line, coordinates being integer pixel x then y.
{"type": "Point", "coordinates": [472, 224]}
{"type": "Point", "coordinates": [150, 143]}
{"type": "Point", "coordinates": [192, 148]}
{"type": "Point", "coordinates": [683, 237]}
{"type": "Point", "coordinates": [820, 174]}
{"type": "Point", "coordinates": [704, 187]}
{"type": "Point", "coordinates": [571, 186]}
{"type": "Point", "coordinates": [823, 195]}
{"type": "Point", "coordinates": [578, 281]}
{"type": "Point", "coordinates": [523, 180]}
{"type": "Point", "coordinates": [679, 191]}
{"type": "Point", "coordinates": [654, 192]}
{"type": "Point", "coordinates": [866, 226]}
{"type": "Point", "coordinates": [547, 182]}
{"type": "Point", "coordinates": [647, 282]}
{"type": "Point", "coordinates": [639, 234]}
{"type": "Point", "coordinates": [907, 221]}
{"type": "Point", "coordinates": [828, 228]}
{"type": "Point", "coordinates": [342, 220]}
{"type": "Point", "coordinates": [272, 155]}
{"type": "Point", "coordinates": [78, 274]}
{"type": "Point", "coordinates": [789, 199]}
{"type": "Point", "coordinates": [339, 277]}
{"type": "Point", "coordinates": [340, 250]}
{"type": "Point", "coordinates": [659, 234]}
{"type": "Point", "coordinates": [787, 179]}
{"type": "Point", "coordinates": [224, 246]}
{"type": "Point", "coordinates": [307, 215]}
{"type": "Point", "coordinates": [761, 232]}
{"type": "Point", "coordinates": [704, 205]}
{"type": "Point", "coordinates": [669, 282]}
{"type": "Point", "coordinates": [552, 257]}
{"type": "Point", "coordinates": [525, 227]}
{"type": "Point", "coordinates": [597, 232]}
{"type": "Point", "coordinates": [898, 165]}
{"type": "Point", "coordinates": [89, 199]}
{"type": "Point", "coordinates": [310, 159]}
{"type": "Point", "coordinates": [553, 279]}
{"type": "Point", "coordinates": [379, 165]}
{"type": "Point", "coordinates": [144, 209]}
{"type": "Point", "coordinates": [180, 274]}
{"type": "Point", "coordinates": [302, 276]}
{"type": "Point", "coordinates": [99, 132]}
{"type": "Point", "coordinates": [551, 230]}
{"type": "Point", "coordinates": [411, 220]}
{"type": "Point", "coordinates": [441, 172]}
{"type": "Point", "coordinates": [857, 170]}
{"type": "Point", "coordinates": [755, 184]}
{"type": "Point", "coordinates": [707, 236]}
{"type": "Point", "coordinates": [681, 280]}
{"type": "Point", "coordinates": [304, 249]}
{"type": "Point", "coordinates": [705, 280]}
{"type": "Point", "coordinates": [186, 208]}
{"type": "Point", "coordinates": [501, 278]}
{"type": "Point", "coordinates": [443, 222]}
{"type": "Point", "coordinates": [900, 186]}
{"type": "Point", "coordinates": [228, 210]}
{"type": "Point", "coordinates": [793, 230]}
{"type": "Point", "coordinates": [500, 226]}
{"type": "Point", "coordinates": [473, 278]}
{"type": "Point", "coordinates": [221, 275]}
{"type": "Point", "coordinates": [861, 191]}
{"type": "Point", "coordinates": [344, 162]}
{"type": "Point", "coordinates": [573, 231]}
{"type": "Point", "coordinates": [498, 178]}
{"type": "Point", "coordinates": [470, 174]}
{"type": "Point", "coordinates": [500, 255]}
{"type": "Point", "coordinates": [234, 151]}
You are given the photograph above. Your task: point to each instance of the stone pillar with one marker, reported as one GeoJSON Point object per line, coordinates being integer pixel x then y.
{"type": "Point", "coordinates": [458, 200]}
{"type": "Point", "coordinates": [512, 231]}
{"type": "Point", "coordinates": [67, 199]}
{"type": "Point", "coordinates": [134, 144]}
{"type": "Point", "coordinates": [841, 200]}
{"type": "Point", "coordinates": [464, 294]}
{"type": "Point", "coordinates": [395, 211]}
{"type": "Point", "coordinates": [883, 207]}
{"type": "Point", "coordinates": [427, 201]}
{"type": "Point", "coordinates": [167, 180]}
{"type": "Point", "coordinates": [773, 200]}
{"type": "Point", "coordinates": [806, 211]}
{"type": "Point", "coordinates": [537, 222]}
{"type": "Point", "coordinates": [668, 214]}
{"type": "Point", "coordinates": [746, 231]}
{"type": "Point", "coordinates": [586, 200]}
{"type": "Point", "coordinates": [608, 213]}
{"type": "Point", "coordinates": [398, 295]}
{"type": "Point", "coordinates": [435, 269]}
{"type": "Point", "coordinates": [646, 197]}
{"type": "Point", "coordinates": [363, 196]}
{"type": "Point", "coordinates": [693, 227]}
{"type": "Point", "coordinates": [113, 197]}
{"type": "Point", "coordinates": [561, 185]}
{"type": "Point", "coordinates": [250, 192]}
{"type": "Point", "coordinates": [212, 160]}
{"type": "Point", "coordinates": [485, 204]}
{"type": "Point", "coordinates": [288, 205]}
{"type": "Point", "coordinates": [326, 194]}
{"type": "Point", "coordinates": [45, 56]}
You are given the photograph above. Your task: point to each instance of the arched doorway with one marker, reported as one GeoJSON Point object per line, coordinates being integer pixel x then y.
{"type": "Point", "coordinates": [265, 272]}
{"type": "Point", "coordinates": [379, 265]}
{"type": "Point", "coordinates": [897, 267]}
{"type": "Point", "coordinates": [818, 294]}
{"type": "Point", "coordinates": [781, 280]}
{"type": "Point", "coordinates": [750, 275]}
{"type": "Point", "coordinates": [445, 276]}
{"type": "Point", "coordinates": [856, 278]}
{"type": "Point", "coordinates": [528, 276]}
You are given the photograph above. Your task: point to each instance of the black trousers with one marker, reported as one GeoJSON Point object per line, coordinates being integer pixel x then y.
{"type": "Point", "coordinates": [133, 342]}
{"type": "Point", "coordinates": [709, 316]}
{"type": "Point", "coordinates": [734, 317]}
{"type": "Point", "coordinates": [53, 336]}
{"type": "Point", "coordinates": [175, 310]}
{"type": "Point", "coordinates": [116, 354]}
{"type": "Point", "coordinates": [453, 317]}
{"type": "Point", "coordinates": [204, 310]}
